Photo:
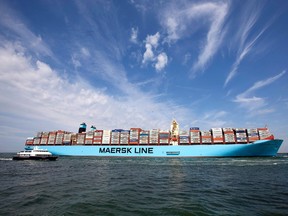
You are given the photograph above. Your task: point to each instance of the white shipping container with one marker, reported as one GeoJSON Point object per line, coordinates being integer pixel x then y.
{"type": "Point", "coordinates": [51, 139]}
{"type": "Point", "coordinates": [99, 133]}
{"type": "Point", "coordinates": [229, 136]}
{"type": "Point", "coordinates": [88, 141]}
{"type": "Point", "coordinates": [241, 135]}
{"type": "Point", "coordinates": [67, 138]}
{"type": "Point", "coordinates": [252, 130]}
{"type": "Point", "coordinates": [205, 133]}
{"type": "Point", "coordinates": [195, 134]}
{"type": "Point", "coordinates": [80, 138]}
{"type": "Point", "coordinates": [184, 141]}
{"type": "Point", "coordinates": [45, 134]}
{"type": "Point", "coordinates": [164, 140]}
{"type": "Point", "coordinates": [216, 130]}
{"type": "Point", "coordinates": [241, 139]}
{"type": "Point", "coordinates": [59, 138]}
{"type": "Point", "coordinates": [36, 140]}
{"type": "Point", "coordinates": [195, 140]}
{"type": "Point", "coordinates": [106, 140]}
{"type": "Point", "coordinates": [151, 140]}
{"type": "Point", "coordinates": [106, 132]}
{"type": "Point", "coordinates": [206, 140]}
{"type": "Point", "coordinates": [228, 129]}
{"type": "Point", "coordinates": [89, 135]}
{"type": "Point", "coordinates": [240, 130]}
{"type": "Point", "coordinates": [44, 141]}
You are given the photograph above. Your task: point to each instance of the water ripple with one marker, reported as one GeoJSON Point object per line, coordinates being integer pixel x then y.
{"type": "Point", "coordinates": [144, 186]}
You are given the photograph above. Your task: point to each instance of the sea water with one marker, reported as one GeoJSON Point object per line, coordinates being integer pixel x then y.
{"type": "Point", "coordinates": [144, 186]}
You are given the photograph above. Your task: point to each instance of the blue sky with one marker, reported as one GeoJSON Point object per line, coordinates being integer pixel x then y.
{"type": "Point", "coordinates": [122, 64]}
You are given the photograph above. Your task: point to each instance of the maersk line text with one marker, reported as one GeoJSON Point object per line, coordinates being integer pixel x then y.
{"type": "Point", "coordinates": [126, 150]}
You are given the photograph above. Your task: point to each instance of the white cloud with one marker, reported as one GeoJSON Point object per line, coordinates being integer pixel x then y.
{"type": "Point", "coordinates": [214, 114]}
{"type": "Point", "coordinates": [76, 63]}
{"type": "Point", "coordinates": [148, 54]}
{"type": "Point", "coordinates": [187, 57]}
{"type": "Point", "coordinates": [162, 61]}
{"type": "Point", "coordinates": [250, 103]}
{"type": "Point", "coordinates": [151, 44]}
{"type": "Point", "coordinates": [253, 103]}
{"type": "Point", "coordinates": [32, 91]}
{"type": "Point", "coordinates": [10, 22]}
{"type": "Point", "coordinates": [182, 21]}
{"type": "Point", "coordinates": [215, 35]}
{"type": "Point", "coordinates": [134, 35]}
{"type": "Point", "coordinates": [247, 24]}
{"type": "Point", "coordinates": [241, 55]}
{"type": "Point", "coordinates": [85, 52]}
{"type": "Point", "coordinates": [172, 29]}
{"type": "Point", "coordinates": [78, 57]}
{"type": "Point", "coordinates": [263, 83]}
{"type": "Point", "coordinates": [153, 39]}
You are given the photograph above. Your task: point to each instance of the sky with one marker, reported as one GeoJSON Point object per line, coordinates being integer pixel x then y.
{"type": "Point", "coordinates": [122, 64]}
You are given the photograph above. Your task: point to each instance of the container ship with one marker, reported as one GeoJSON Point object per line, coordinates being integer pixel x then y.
{"type": "Point", "coordinates": [137, 142]}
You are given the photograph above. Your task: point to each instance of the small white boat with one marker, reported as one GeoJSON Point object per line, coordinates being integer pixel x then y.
{"type": "Point", "coordinates": [35, 154]}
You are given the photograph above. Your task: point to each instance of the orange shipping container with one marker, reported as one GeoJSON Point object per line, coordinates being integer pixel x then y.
{"type": "Point", "coordinates": [218, 140]}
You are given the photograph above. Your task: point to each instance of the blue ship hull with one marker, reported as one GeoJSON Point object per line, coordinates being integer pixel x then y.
{"type": "Point", "coordinates": [258, 148]}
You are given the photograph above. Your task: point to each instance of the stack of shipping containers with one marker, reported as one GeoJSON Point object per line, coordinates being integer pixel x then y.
{"type": "Point", "coordinates": [206, 137]}
{"type": "Point", "coordinates": [115, 137]}
{"type": "Point", "coordinates": [51, 138]}
{"type": "Point", "coordinates": [229, 135]}
{"type": "Point", "coordinates": [252, 134]}
{"type": "Point", "coordinates": [59, 138]}
{"type": "Point", "coordinates": [241, 135]}
{"type": "Point", "coordinates": [97, 137]}
{"type": "Point", "coordinates": [80, 137]}
{"type": "Point", "coordinates": [67, 138]}
{"type": "Point", "coordinates": [74, 139]}
{"type": "Point", "coordinates": [153, 136]}
{"type": "Point", "coordinates": [29, 141]}
{"type": "Point", "coordinates": [134, 136]}
{"type": "Point", "coordinates": [89, 138]}
{"type": "Point", "coordinates": [44, 138]}
{"type": "Point", "coordinates": [137, 136]}
{"type": "Point", "coordinates": [144, 137]}
{"type": "Point", "coordinates": [106, 137]}
{"type": "Point", "coordinates": [217, 135]}
{"type": "Point", "coordinates": [264, 133]}
{"type": "Point", "coordinates": [195, 135]}
{"type": "Point", "coordinates": [37, 139]}
{"type": "Point", "coordinates": [183, 137]}
{"type": "Point", "coordinates": [124, 137]}
{"type": "Point", "coordinates": [164, 136]}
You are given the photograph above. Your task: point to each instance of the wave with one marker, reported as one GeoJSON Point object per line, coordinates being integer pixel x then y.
{"type": "Point", "coordinates": [5, 159]}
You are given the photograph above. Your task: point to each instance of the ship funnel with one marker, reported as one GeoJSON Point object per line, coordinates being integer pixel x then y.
{"type": "Point", "coordinates": [82, 128]}
{"type": "Point", "coordinates": [93, 128]}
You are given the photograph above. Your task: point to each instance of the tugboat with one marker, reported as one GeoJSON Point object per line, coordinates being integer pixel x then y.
{"type": "Point", "coordinates": [35, 154]}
